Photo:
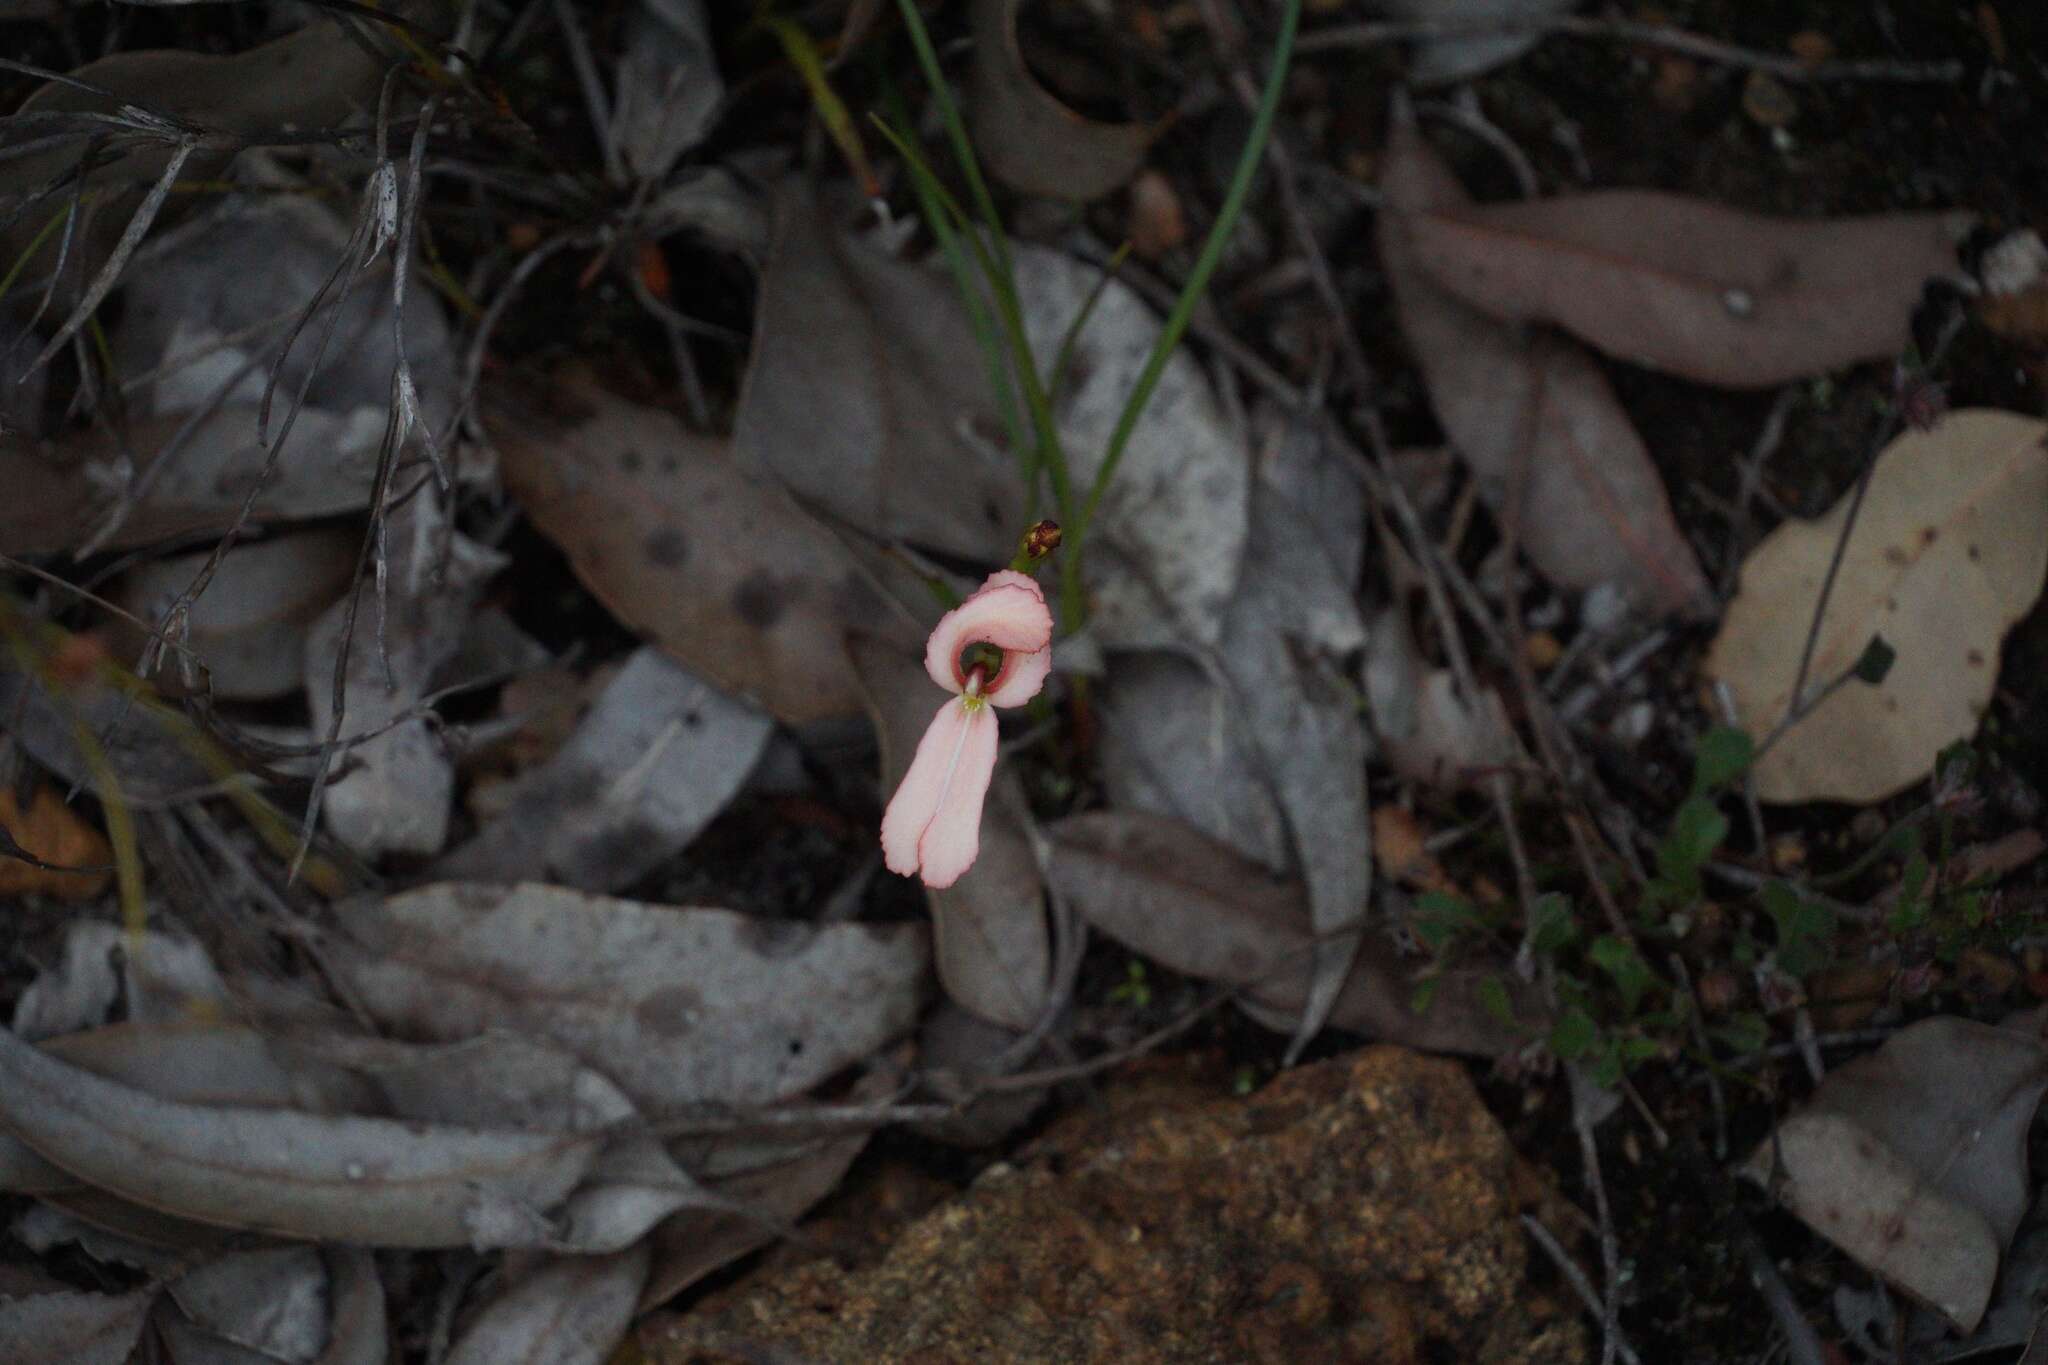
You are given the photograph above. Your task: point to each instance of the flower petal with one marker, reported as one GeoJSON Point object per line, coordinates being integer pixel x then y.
{"type": "Point", "coordinates": [923, 787]}
{"type": "Point", "coordinates": [1022, 676]}
{"type": "Point", "coordinates": [953, 838]}
{"type": "Point", "coordinates": [1008, 611]}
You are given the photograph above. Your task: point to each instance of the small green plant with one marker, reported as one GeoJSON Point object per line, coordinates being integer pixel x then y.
{"type": "Point", "coordinates": [1134, 990]}
{"type": "Point", "coordinates": [978, 254]}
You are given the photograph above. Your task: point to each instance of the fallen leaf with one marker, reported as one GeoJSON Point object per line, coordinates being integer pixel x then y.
{"type": "Point", "coordinates": [51, 833]}
{"type": "Point", "coordinates": [249, 627]}
{"type": "Point", "coordinates": [1028, 139]}
{"type": "Point", "coordinates": [1169, 536]}
{"type": "Point", "coordinates": [271, 1301]}
{"type": "Point", "coordinates": [669, 89]}
{"type": "Point", "coordinates": [990, 940]}
{"type": "Point", "coordinates": [73, 1327]}
{"type": "Point", "coordinates": [1913, 1159]}
{"type": "Point", "coordinates": [1949, 551]}
{"type": "Point", "coordinates": [721, 569]}
{"type": "Point", "coordinates": [1532, 413]}
{"type": "Point", "coordinates": [1157, 223]}
{"type": "Point", "coordinates": [1172, 744]}
{"type": "Point", "coordinates": [346, 1178]}
{"type": "Point", "coordinates": [865, 374]}
{"type": "Point", "coordinates": [358, 1332]}
{"type": "Point", "coordinates": [1681, 284]}
{"type": "Point", "coordinates": [396, 789]}
{"type": "Point", "coordinates": [566, 1311]}
{"type": "Point", "coordinates": [656, 757]}
{"type": "Point", "coordinates": [1165, 891]}
{"type": "Point", "coordinates": [677, 1005]}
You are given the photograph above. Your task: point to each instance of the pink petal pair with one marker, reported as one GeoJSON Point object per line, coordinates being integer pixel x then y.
{"type": "Point", "coordinates": [933, 824]}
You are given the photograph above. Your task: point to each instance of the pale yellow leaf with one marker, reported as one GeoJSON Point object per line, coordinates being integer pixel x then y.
{"type": "Point", "coordinates": [1948, 553]}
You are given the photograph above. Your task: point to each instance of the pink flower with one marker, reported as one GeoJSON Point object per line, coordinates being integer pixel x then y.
{"type": "Point", "coordinates": [933, 824]}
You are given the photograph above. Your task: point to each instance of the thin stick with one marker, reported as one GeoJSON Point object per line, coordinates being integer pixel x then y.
{"type": "Point", "coordinates": [1575, 1277]}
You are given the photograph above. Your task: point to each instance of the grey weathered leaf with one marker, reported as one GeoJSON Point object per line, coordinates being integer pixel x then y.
{"type": "Point", "coordinates": [1028, 139]}
{"type": "Point", "coordinates": [1913, 1159]}
{"type": "Point", "coordinates": [249, 627]}
{"type": "Point", "coordinates": [990, 937]}
{"type": "Point", "coordinates": [1690, 286]}
{"type": "Point", "coordinates": [677, 1005]}
{"type": "Point", "coordinates": [656, 757]}
{"type": "Point", "coordinates": [864, 376]}
{"type": "Point", "coordinates": [669, 88]}
{"type": "Point", "coordinates": [1427, 731]}
{"type": "Point", "coordinates": [1533, 414]}
{"type": "Point", "coordinates": [272, 1301]}
{"type": "Point", "coordinates": [568, 1311]}
{"type": "Point", "coordinates": [76, 1328]}
{"type": "Point", "coordinates": [357, 1333]}
{"type": "Point", "coordinates": [1164, 890]}
{"type": "Point", "coordinates": [1289, 628]}
{"type": "Point", "coordinates": [366, 1180]}
{"type": "Point", "coordinates": [716, 565]}
{"type": "Point", "coordinates": [398, 788]}
{"type": "Point", "coordinates": [1177, 510]}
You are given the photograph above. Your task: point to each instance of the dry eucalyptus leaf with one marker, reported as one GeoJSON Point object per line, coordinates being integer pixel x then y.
{"type": "Point", "coordinates": [394, 792]}
{"type": "Point", "coordinates": [1165, 891]}
{"type": "Point", "coordinates": [1949, 551]}
{"type": "Point", "coordinates": [669, 88]}
{"type": "Point", "coordinates": [1028, 139]}
{"type": "Point", "coordinates": [721, 569]}
{"type": "Point", "coordinates": [365, 1180]}
{"type": "Point", "coordinates": [656, 757]}
{"type": "Point", "coordinates": [1175, 516]}
{"type": "Point", "coordinates": [1531, 413]}
{"type": "Point", "coordinates": [249, 626]}
{"type": "Point", "coordinates": [678, 1005]}
{"type": "Point", "coordinates": [74, 1327]}
{"type": "Point", "coordinates": [990, 938]}
{"type": "Point", "coordinates": [1172, 744]}
{"type": "Point", "coordinates": [64, 488]}
{"type": "Point", "coordinates": [358, 1332]}
{"type": "Point", "coordinates": [1693, 287]}
{"type": "Point", "coordinates": [864, 378]}
{"type": "Point", "coordinates": [1913, 1159]}
{"type": "Point", "coordinates": [272, 1301]}
{"type": "Point", "coordinates": [567, 1311]}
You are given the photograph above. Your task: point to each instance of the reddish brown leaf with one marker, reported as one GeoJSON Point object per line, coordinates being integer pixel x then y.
{"type": "Point", "coordinates": [1532, 413]}
{"type": "Point", "coordinates": [721, 569]}
{"type": "Point", "coordinates": [1693, 287]}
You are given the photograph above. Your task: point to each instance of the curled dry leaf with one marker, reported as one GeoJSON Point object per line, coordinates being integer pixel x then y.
{"type": "Point", "coordinates": [864, 380]}
{"type": "Point", "coordinates": [669, 88]}
{"type": "Point", "coordinates": [272, 1301]}
{"type": "Point", "coordinates": [1693, 287]}
{"type": "Point", "coordinates": [991, 943]}
{"type": "Point", "coordinates": [1493, 39]}
{"type": "Point", "coordinates": [1914, 1158]}
{"type": "Point", "coordinates": [678, 1005]}
{"type": "Point", "coordinates": [1531, 414]}
{"type": "Point", "coordinates": [1949, 551]}
{"type": "Point", "coordinates": [369, 1181]}
{"type": "Point", "coordinates": [1027, 138]}
{"type": "Point", "coordinates": [658, 755]}
{"type": "Point", "coordinates": [717, 566]}
{"type": "Point", "coordinates": [1163, 890]}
